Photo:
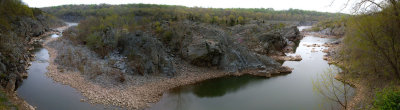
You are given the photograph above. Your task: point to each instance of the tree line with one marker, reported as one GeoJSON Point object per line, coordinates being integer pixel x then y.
{"type": "Point", "coordinates": [220, 16]}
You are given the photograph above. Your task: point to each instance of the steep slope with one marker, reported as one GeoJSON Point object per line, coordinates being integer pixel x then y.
{"type": "Point", "coordinates": [20, 27]}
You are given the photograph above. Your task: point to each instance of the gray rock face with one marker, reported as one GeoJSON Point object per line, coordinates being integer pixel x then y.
{"type": "Point", "coordinates": [336, 31]}
{"type": "Point", "coordinates": [147, 54]}
{"type": "Point", "coordinates": [202, 45]}
{"type": "Point", "coordinates": [239, 59]}
{"type": "Point", "coordinates": [14, 47]}
{"type": "Point", "coordinates": [291, 33]}
{"type": "Point", "coordinates": [2, 68]}
{"type": "Point", "coordinates": [266, 38]}
{"type": "Point", "coordinates": [272, 41]}
{"type": "Point", "coordinates": [205, 53]}
{"type": "Point", "coordinates": [211, 46]}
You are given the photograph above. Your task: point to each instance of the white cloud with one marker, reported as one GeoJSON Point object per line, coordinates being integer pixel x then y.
{"type": "Point", "coordinates": [316, 5]}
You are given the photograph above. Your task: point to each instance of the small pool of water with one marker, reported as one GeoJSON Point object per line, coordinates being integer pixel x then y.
{"type": "Point", "coordinates": [287, 92]}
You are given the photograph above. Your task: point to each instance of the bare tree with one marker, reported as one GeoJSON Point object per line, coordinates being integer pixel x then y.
{"type": "Point", "coordinates": [363, 6]}
{"type": "Point", "coordinates": [333, 90]}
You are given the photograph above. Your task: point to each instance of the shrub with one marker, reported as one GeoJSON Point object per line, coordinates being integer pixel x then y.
{"type": "Point", "coordinates": [387, 99]}
{"type": "Point", "coordinates": [167, 37]}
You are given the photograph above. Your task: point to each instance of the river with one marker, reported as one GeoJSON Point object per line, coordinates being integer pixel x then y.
{"type": "Point", "coordinates": [285, 92]}
{"type": "Point", "coordinates": [44, 93]}
{"type": "Point", "coordinates": [293, 91]}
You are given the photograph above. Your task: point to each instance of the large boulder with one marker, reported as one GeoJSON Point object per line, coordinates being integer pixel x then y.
{"type": "Point", "coordinates": [264, 38]}
{"type": "Point", "coordinates": [272, 42]}
{"type": "Point", "coordinates": [204, 53]}
{"type": "Point", "coordinates": [212, 46]}
{"type": "Point", "coordinates": [147, 54]}
{"type": "Point", "coordinates": [240, 58]}
{"type": "Point", "coordinates": [333, 31]}
{"type": "Point", "coordinates": [291, 33]}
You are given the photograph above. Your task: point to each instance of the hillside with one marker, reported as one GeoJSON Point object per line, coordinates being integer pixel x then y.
{"type": "Point", "coordinates": [19, 26]}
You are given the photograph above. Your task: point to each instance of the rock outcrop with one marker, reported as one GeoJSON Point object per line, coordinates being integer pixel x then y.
{"type": "Point", "coordinates": [147, 54]}
{"type": "Point", "coordinates": [16, 45]}
{"type": "Point", "coordinates": [213, 47]}
{"type": "Point", "coordinates": [335, 31]}
{"type": "Point", "coordinates": [270, 39]}
{"type": "Point", "coordinates": [233, 50]}
{"type": "Point", "coordinates": [329, 28]}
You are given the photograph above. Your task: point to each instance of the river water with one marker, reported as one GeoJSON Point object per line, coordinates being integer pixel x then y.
{"type": "Point", "coordinates": [287, 92]}
{"type": "Point", "coordinates": [46, 94]}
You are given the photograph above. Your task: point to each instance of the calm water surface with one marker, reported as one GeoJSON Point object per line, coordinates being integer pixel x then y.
{"type": "Point", "coordinates": [46, 94]}
{"type": "Point", "coordinates": [287, 92]}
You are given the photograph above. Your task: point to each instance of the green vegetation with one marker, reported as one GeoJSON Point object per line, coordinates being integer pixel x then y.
{"type": "Point", "coordinates": [329, 23]}
{"type": "Point", "coordinates": [101, 34]}
{"type": "Point", "coordinates": [12, 9]}
{"type": "Point", "coordinates": [371, 53]}
{"type": "Point", "coordinates": [5, 104]}
{"type": "Point", "coordinates": [372, 45]}
{"type": "Point", "coordinates": [387, 99]}
{"type": "Point", "coordinates": [228, 17]}
{"type": "Point", "coordinates": [11, 13]}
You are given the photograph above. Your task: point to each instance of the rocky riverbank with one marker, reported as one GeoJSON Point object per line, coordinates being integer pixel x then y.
{"type": "Point", "coordinates": [137, 91]}
{"type": "Point", "coordinates": [16, 51]}
{"type": "Point", "coordinates": [287, 58]}
{"type": "Point", "coordinates": [111, 80]}
{"type": "Point", "coordinates": [9, 90]}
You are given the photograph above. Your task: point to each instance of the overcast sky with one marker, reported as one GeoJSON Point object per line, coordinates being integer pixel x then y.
{"type": "Point", "coordinates": [316, 5]}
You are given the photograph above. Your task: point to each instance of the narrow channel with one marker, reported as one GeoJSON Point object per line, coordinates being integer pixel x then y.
{"type": "Point", "coordinates": [44, 93]}
{"type": "Point", "coordinates": [287, 92]}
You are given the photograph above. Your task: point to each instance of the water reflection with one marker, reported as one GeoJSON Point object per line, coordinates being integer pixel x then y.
{"type": "Point", "coordinates": [290, 92]}
{"type": "Point", "coordinates": [46, 94]}
{"type": "Point", "coordinates": [218, 87]}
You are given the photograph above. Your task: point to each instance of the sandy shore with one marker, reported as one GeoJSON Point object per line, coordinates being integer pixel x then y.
{"type": "Point", "coordinates": [137, 91]}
